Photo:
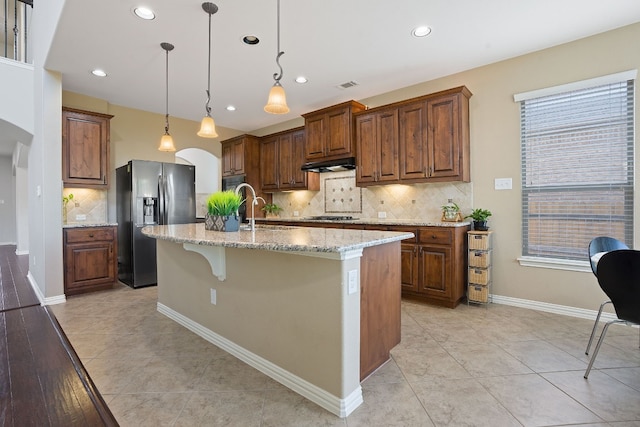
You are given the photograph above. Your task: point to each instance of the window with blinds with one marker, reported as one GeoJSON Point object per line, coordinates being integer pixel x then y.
{"type": "Point", "coordinates": [577, 169]}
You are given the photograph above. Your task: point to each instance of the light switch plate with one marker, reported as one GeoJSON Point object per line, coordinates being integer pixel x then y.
{"type": "Point", "coordinates": [81, 217]}
{"type": "Point", "coordinates": [214, 296]}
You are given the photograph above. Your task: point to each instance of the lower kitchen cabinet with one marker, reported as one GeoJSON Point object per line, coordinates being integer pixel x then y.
{"type": "Point", "coordinates": [90, 255]}
{"type": "Point", "coordinates": [434, 265]}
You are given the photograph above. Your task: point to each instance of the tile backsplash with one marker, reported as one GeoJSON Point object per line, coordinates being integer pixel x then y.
{"type": "Point", "coordinates": [339, 194]}
{"type": "Point", "coordinates": [88, 202]}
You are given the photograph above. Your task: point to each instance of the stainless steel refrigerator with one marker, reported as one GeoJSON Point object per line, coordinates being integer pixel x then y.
{"type": "Point", "coordinates": [149, 193]}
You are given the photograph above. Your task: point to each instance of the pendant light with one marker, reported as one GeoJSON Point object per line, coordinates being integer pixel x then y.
{"type": "Point", "coordinates": [277, 102]}
{"type": "Point", "coordinates": [166, 143]}
{"type": "Point", "coordinates": [208, 126]}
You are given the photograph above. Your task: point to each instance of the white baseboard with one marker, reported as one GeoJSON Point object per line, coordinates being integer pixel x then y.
{"type": "Point", "coordinates": [22, 252]}
{"type": "Point", "coordinates": [44, 301]}
{"type": "Point", "coordinates": [333, 404]}
{"type": "Point", "coordinates": [553, 308]}
{"type": "Point", "coordinates": [7, 243]}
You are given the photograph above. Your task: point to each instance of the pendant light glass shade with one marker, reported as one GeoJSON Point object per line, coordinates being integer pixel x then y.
{"type": "Point", "coordinates": [207, 125]}
{"type": "Point", "coordinates": [207, 128]}
{"type": "Point", "coordinates": [277, 102]}
{"type": "Point", "coordinates": [166, 142]}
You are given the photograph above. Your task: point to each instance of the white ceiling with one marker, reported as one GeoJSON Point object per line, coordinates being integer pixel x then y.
{"type": "Point", "coordinates": [330, 42]}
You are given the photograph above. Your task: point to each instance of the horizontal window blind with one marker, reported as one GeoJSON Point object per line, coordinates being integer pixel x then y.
{"type": "Point", "coordinates": [577, 169]}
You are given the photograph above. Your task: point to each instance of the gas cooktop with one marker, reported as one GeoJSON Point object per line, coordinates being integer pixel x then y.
{"type": "Point", "coordinates": [332, 217]}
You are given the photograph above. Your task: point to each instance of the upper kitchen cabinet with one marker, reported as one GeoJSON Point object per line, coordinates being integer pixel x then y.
{"type": "Point", "coordinates": [281, 158]}
{"type": "Point", "coordinates": [85, 148]}
{"type": "Point", "coordinates": [434, 137]}
{"type": "Point", "coordinates": [329, 132]}
{"type": "Point", "coordinates": [377, 146]}
{"type": "Point", "coordinates": [240, 154]}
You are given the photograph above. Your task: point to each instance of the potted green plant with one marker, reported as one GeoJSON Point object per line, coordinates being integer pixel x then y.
{"type": "Point", "coordinates": [451, 212]}
{"type": "Point", "coordinates": [271, 209]}
{"type": "Point", "coordinates": [222, 211]}
{"type": "Point", "coordinates": [479, 217]}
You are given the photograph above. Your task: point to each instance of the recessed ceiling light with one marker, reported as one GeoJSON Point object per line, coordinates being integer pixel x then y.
{"type": "Point", "coordinates": [421, 31]}
{"type": "Point", "coordinates": [144, 13]}
{"type": "Point", "coordinates": [99, 73]}
{"type": "Point", "coordinates": [231, 108]}
{"type": "Point", "coordinates": [250, 40]}
{"type": "Point", "coordinates": [301, 79]}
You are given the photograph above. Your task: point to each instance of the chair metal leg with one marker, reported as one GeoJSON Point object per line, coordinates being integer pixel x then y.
{"type": "Point", "coordinates": [595, 353]}
{"type": "Point", "coordinates": [595, 326]}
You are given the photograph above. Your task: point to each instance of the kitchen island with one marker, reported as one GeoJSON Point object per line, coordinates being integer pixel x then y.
{"type": "Point", "coordinates": [316, 309]}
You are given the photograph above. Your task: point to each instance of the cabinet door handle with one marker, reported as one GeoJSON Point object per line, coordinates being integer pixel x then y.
{"type": "Point", "coordinates": [91, 235]}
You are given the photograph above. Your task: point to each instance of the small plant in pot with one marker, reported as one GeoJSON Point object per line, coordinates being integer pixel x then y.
{"type": "Point", "coordinates": [271, 209]}
{"type": "Point", "coordinates": [479, 217]}
{"type": "Point", "coordinates": [222, 211]}
{"type": "Point", "coordinates": [451, 212]}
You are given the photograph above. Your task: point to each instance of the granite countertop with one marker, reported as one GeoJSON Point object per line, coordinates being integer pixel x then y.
{"type": "Point", "coordinates": [86, 225]}
{"type": "Point", "coordinates": [371, 221]}
{"type": "Point", "coordinates": [276, 238]}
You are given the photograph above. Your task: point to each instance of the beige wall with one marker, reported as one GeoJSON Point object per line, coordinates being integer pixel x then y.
{"type": "Point", "coordinates": [495, 150]}
{"type": "Point", "coordinates": [495, 146]}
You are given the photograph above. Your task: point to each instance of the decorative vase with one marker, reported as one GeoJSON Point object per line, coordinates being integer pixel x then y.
{"type": "Point", "coordinates": [480, 225]}
{"type": "Point", "coordinates": [221, 223]}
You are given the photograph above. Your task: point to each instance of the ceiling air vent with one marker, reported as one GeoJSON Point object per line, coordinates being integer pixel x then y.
{"type": "Point", "coordinates": [347, 85]}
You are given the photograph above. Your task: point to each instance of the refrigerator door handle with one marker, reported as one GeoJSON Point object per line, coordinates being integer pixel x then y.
{"type": "Point", "coordinates": [161, 201]}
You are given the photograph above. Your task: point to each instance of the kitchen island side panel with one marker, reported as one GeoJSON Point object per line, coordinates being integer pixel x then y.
{"type": "Point", "coordinates": [292, 310]}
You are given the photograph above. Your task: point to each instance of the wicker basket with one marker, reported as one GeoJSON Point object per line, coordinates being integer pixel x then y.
{"type": "Point", "coordinates": [479, 259]}
{"type": "Point", "coordinates": [479, 276]}
{"type": "Point", "coordinates": [478, 293]}
{"type": "Point", "coordinates": [480, 241]}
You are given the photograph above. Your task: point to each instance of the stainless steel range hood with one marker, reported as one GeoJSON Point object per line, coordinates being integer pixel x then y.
{"type": "Point", "coordinates": [338, 165]}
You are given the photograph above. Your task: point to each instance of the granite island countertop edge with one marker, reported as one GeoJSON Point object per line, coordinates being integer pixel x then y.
{"type": "Point", "coordinates": [275, 238]}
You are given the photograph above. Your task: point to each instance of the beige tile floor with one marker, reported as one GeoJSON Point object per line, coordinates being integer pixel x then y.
{"type": "Point", "coordinates": [492, 365]}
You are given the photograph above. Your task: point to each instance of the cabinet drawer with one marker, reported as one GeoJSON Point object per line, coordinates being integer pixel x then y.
{"type": "Point", "coordinates": [438, 235]}
{"type": "Point", "coordinates": [413, 230]}
{"type": "Point", "coordinates": [89, 234]}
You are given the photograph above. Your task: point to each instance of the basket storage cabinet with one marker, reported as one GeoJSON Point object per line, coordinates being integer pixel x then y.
{"type": "Point", "coordinates": [479, 277]}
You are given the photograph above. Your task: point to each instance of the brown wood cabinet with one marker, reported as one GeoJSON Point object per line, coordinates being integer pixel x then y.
{"type": "Point", "coordinates": [85, 148]}
{"type": "Point", "coordinates": [329, 132]}
{"type": "Point", "coordinates": [377, 147]}
{"type": "Point", "coordinates": [433, 263]}
{"type": "Point", "coordinates": [238, 152]}
{"type": "Point", "coordinates": [434, 137]}
{"type": "Point", "coordinates": [90, 255]}
{"type": "Point", "coordinates": [241, 156]}
{"type": "Point", "coordinates": [281, 159]}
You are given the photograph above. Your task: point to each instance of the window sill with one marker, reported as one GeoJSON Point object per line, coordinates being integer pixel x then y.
{"type": "Point", "coordinates": [555, 264]}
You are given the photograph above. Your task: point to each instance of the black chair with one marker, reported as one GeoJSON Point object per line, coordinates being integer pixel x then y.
{"type": "Point", "coordinates": [619, 278]}
{"type": "Point", "coordinates": [597, 247]}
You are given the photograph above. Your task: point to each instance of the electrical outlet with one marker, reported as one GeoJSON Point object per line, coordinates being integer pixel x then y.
{"type": "Point", "coordinates": [382, 214]}
{"type": "Point", "coordinates": [81, 217]}
{"type": "Point", "coordinates": [296, 213]}
{"type": "Point", "coordinates": [353, 282]}
{"type": "Point", "coordinates": [503, 184]}
{"type": "Point", "coordinates": [214, 296]}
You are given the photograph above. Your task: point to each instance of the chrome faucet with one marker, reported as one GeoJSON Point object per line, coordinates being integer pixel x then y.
{"type": "Point", "coordinates": [252, 221]}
